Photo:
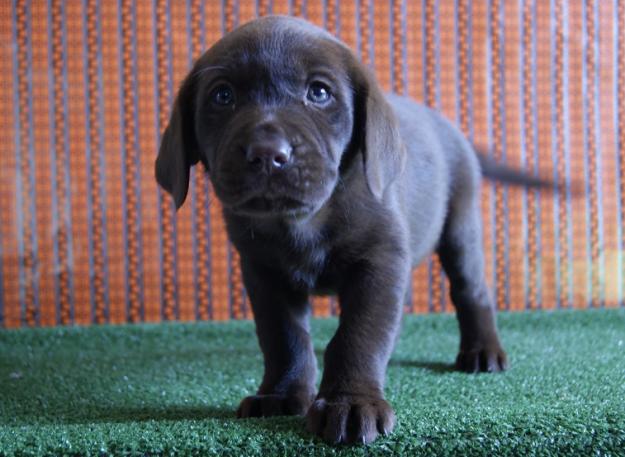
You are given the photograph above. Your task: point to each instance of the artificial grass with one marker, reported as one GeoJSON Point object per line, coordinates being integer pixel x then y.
{"type": "Point", "coordinates": [172, 389]}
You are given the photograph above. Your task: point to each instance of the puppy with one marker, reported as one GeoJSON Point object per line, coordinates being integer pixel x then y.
{"type": "Point", "coordinates": [330, 187]}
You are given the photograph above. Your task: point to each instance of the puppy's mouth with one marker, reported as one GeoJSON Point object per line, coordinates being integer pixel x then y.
{"type": "Point", "coordinates": [273, 207]}
{"type": "Point", "coordinates": [294, 191]}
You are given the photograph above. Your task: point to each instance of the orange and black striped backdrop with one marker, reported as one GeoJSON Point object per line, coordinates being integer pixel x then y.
{"type": "Point", "coordinates": [86, 87]}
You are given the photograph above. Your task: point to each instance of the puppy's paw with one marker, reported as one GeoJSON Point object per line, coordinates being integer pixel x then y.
{"type": "Point", "coordinates": [350, 418]}
{"type": "Point", "coordinates": [489, 359]}
{"type": "Point", "coordinates": [274, 405]}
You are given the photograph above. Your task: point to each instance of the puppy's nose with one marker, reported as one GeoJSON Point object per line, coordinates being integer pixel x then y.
{"type": "Point", "coordinates": [271, 154]}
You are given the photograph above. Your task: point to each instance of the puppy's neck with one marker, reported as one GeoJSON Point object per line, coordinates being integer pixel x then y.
{"type": "Point", "coordinates": [309, 227]}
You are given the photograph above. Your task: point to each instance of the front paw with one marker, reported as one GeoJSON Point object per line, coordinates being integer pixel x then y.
{"type": "Point", "coordinates": [488, 358]}
{"type": "Point", "coordinates": [350, 418]}
{"type": "Point", "coordinates": [274, 405]}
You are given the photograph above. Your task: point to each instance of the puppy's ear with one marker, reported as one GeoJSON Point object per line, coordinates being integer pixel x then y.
{"type": "Point", "coordinates": [376, 132]}
{"type": "Point", "coordinates": [179, 148]}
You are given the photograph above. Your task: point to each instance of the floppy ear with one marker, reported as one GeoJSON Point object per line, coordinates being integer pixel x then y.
{"type": "Point", "coordinates": [376, 132]}
{"type": "Point", "coordinates": [179, 148]}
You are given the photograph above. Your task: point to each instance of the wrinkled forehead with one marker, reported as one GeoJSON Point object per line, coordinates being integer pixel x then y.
{"type": "Point", "coordinates": [274, 48]}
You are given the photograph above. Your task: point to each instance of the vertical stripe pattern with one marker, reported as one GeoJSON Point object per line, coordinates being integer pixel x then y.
{"type": "Point", "coordinates": [431, 99]}
{"type": "Point", "coordinates": [60, 141]}
{"type": "Point", "coordinates": [498, 145]}
{"type": "Point", "coordinates": [529, 145]}
{"type": "Point", "coordinates": [560, 154]}
{"type": "Point", "coordinates": [87, 237]}
{"type": "Point", "coordinates": [131, 181]}
{"type": "Point", "coordinates": [166, 210]}
{"type": "Point", "coordinates": [593, 152]}
{"type": "Point", "coordinates": [202, 195]}
{"type": "Point", "coordinates": [27, 217]}
{"type": "Point", "coordinates": [620, 142]}
{"type": "Point", "coordinates": [97, 222]}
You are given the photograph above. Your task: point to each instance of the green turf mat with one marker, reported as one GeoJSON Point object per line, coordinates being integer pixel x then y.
{"type": "Point", "coordinates": [172, 389]}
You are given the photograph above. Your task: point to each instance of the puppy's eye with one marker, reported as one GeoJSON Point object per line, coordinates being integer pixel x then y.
{"type": "Point", "coordinates": [319, 93]}
{"type": "Point", "coordinates": [222, 95]}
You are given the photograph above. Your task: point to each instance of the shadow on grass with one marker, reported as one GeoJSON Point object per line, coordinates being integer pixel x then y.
{"type": "Point", "coordinates": [165, 413]}
{"type": "Point", "coordinates": [435, 367]}
{"type": "Point", "coordinates": [92, 414]}
{"type": "Point", "coordinates": [42, 404]}
{"type": "Point", "coordinates": [225, 417]}
{"type": "Point", "coordinates": [295, 425]}
{"type": "Point", "coordinates": [291, 424]}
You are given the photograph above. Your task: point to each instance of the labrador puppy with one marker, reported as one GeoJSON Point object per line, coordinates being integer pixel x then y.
{"type": "Point", "coordinates": [328, 186]}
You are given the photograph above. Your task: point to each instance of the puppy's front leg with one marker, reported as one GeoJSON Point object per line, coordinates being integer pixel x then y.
{"type": "Point", "coordinates": [350, 406]}
{"type": "Point", "coordinates": [281, 316]}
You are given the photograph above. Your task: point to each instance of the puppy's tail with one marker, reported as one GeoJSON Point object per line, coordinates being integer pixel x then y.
{"type": "Point", "coordinates": [508, 175]}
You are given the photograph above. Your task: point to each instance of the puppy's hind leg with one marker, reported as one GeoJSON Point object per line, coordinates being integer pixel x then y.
{"type": "Point", "coordinates": [462, 256]}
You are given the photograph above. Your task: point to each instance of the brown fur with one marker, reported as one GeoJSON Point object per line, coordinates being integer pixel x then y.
{"type": "Point", "coordinates": [339, 196]}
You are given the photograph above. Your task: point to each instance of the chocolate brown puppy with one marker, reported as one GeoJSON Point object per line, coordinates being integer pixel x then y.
{"type": "Point", "coordinates": [330, 186]}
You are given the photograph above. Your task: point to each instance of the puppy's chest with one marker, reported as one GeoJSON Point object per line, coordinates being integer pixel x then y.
{"type": "Point", "coordinates": [313, 265]}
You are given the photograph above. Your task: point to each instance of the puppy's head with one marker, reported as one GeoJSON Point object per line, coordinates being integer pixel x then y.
{"type": "Point", "coordinates": [276, 111]}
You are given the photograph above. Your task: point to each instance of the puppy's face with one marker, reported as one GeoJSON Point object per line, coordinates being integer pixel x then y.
{"type": "Point", "coordinates": [271, 110]}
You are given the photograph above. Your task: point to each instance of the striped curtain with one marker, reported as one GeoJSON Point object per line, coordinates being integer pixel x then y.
{"type": "Point", "coordinates": [86, 87]}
